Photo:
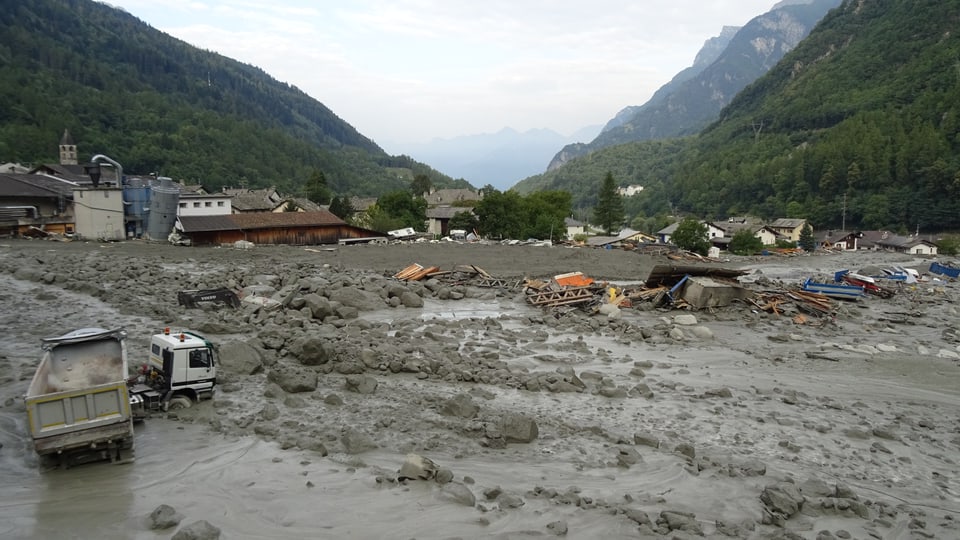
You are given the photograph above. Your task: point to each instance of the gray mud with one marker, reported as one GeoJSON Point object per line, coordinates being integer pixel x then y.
{"type": "Point", "coordinates": [531, 423]}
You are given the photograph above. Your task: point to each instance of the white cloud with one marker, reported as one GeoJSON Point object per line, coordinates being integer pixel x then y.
{"type": "Point", "coordinates": [408, 70]}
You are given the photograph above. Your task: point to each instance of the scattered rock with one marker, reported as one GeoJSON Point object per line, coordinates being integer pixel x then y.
{"type": "Point", "coordinates": [417, 467]}
{"type": "Point", "coordinates": [518, 428]}
{"type": "Point", "coordinates": [198, 530]}
{"type": "Point", "coordinates": [164, 517]}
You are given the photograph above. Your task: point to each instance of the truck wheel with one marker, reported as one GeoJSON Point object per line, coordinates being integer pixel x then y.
{"type": "Point", "coordinates": [179, 402]}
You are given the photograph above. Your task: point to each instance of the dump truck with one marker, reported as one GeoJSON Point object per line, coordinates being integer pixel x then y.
{"type": "Point", "coordinates": [82, 401]}
{"type": "Point", "coordinates": [78, 403]}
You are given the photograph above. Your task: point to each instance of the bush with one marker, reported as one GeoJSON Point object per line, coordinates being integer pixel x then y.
{"type": "Point", "coordinates": [745, 243]}
{"type": "Point", "coordinates": [949, 245]}
{"type": "Point", "coordinates": [691, 235]}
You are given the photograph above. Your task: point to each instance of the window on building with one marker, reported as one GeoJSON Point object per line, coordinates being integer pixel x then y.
{"type": "Point", "coordinates": [183, 205]}
{"type": "Point", "coordinates": [220, 203]}
{"type": "Point", "coordinates": [207, 204]}
{"type": "Point", "coordinates": [196, 205]}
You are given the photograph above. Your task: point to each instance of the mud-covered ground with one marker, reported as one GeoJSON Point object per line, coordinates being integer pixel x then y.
{"type": "Point", "coordinates": [731, 422]}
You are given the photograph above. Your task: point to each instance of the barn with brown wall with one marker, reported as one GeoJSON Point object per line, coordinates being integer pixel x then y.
{"type": "Point", "coordinates": [290, 228]}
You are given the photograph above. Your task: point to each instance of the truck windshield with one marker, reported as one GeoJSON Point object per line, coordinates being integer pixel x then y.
{"type": "Point", "coordinates": [200, 358]}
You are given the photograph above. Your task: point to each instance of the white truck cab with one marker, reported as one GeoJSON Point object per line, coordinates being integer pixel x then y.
{"type": "Point", "coordinates": [182, 364]}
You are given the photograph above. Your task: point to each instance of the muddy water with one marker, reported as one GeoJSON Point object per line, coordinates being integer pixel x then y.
{"type": "Point", "coordinates": [789, 411]}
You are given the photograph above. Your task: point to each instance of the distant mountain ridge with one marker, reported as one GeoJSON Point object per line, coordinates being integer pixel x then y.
{"type": "Point", "coordinates": [695, 96]}
{"type": "Point", "coordinates": [158, 104]}
{"type": "Point", "coordinates": [498, 159]}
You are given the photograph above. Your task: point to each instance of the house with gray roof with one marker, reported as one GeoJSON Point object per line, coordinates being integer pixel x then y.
{"type": "Point", "coordinates": [438, 218]}
{"type": "Point", "coordinates": [36, 201]}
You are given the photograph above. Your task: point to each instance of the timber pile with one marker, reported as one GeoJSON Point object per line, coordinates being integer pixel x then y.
{"type": "Point", "coordinates": [815, 304]}
{"type": "Point", "coordinates": [690, 256]}
{"type": "Point", "coordinates": [558, 295]}
{"type": "Point", "coordinates": [416, 272]}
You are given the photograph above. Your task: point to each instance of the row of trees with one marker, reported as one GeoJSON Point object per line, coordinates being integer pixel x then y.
{"type": "Point", "coordinates": [498, 215]}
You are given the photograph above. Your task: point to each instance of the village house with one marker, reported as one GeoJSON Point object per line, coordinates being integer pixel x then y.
{"type": "Point", "coordinates": [438, 219]}
{"type": "Point", "coordinates": [664, 234]}
{"type": "Point", "coordinates": [36, 202]}
{"type": "Point", "coordinates": [629, 191]}
{"type": "Point", "coordinates": [765, 233]}
{"type": "Point", "coordinates": [450, 197]}
{"type": "Point", "coordinates": [204, 204]}
{"type": "Point", "coordinates": [843, 240]}
{"type": "Point", "coordinates": [790, 228]}
{"type": "Point", "coordinates": [888, 241]}
{"type": "Point", "coordinates": [626, 236]}
{"type": "Point", "coordinates": [574, 227]}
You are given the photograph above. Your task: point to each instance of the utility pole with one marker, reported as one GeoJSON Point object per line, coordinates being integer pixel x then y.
{"type": "Point", "coordinates": [757, 128]}
{"type": "Point", "coordinates": [843, 222]}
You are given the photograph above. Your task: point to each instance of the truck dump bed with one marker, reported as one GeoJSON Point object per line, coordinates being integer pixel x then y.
{"type": "Point", "coordinates": [78, 398]}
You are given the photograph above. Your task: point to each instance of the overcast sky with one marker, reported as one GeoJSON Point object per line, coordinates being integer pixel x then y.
{"type": "Point", "coordinates": [405, 71]}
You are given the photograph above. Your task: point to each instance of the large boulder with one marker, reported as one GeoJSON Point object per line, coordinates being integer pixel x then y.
{"type": "Point", "coordinates": [312, 351]}
{"type": "Point", "coordinates": [461, 406]}
{"type": "Point", "coordinates": [319, 306]}
{"type": "Point", "coordinates": [163, 517]}
{"type": "Point", "coordinates": [241, 358]}
{"type": "Point", "coordinates": [356, 298]}
{"type": "Point", "coordinates": [417, 467]}
{"type": "Point", "coordinates": [361, 384]}
{"type": "Point", "coordinates": [518, 428]}
{"type": "Point", "coordinates": [782, 500]}
{"type": "Point", "coordinates": [198, 530]}
{"type": "Point", "coordinates": [293, 379]}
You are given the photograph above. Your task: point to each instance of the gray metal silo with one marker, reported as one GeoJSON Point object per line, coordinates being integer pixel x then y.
{"type": "Point", "coordinates": [136, 200]}
{"type": "Point", "coordinates": [164, 200]}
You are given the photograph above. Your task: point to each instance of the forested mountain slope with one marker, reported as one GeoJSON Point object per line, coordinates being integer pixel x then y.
{"type": "Point", "coordinates": [859, 125]}
{"type": "Point", "coordinates": [157, 104]}
{"type": "Point", "coordinates": [695, 97]}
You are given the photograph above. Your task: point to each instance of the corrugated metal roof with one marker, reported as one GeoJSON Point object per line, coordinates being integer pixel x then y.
{"type": "Point", "coordinates": [265, 220]}
{"type": "Point", "coordinates": [192, 224]}
{"type": "Point", "coordinates": [33, 185]}
{"type": "Point", "coordinates": [258, 220]}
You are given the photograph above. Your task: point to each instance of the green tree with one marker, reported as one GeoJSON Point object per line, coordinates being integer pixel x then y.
{"type": "Point", "coordinates": [500, 215]}
{"type": "Point", "coordinates": [465, 220]}
{"type": "Point", "coordinates": [608, 212]}
{"type": "Point", "coordinates": [949, 245]}
{"type": "Point", "coordinates": [745, 243]}
{"type": "Point", "coordinates": [317, 189]}
{"type": "Point", "coordinates": [795, 210]}
{"type": "Point", "coordinates": [406, 209]}
{"type": "Point", "coordinates": [691, 235]}
{"type": "Point", "coordinates": [379, 220]}
{"type": "Point", "coordinates": [807, 242]}
{"type": "Point", "coordinates": [341, 207]}
{"type": "Point", "coordinates": [420, 185]}
{"type": "Point", "coordinates": [544, 213]}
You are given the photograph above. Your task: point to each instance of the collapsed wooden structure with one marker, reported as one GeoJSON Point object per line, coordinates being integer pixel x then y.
{"type": "Point", "coordinates": [673, 286]}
